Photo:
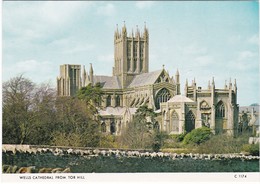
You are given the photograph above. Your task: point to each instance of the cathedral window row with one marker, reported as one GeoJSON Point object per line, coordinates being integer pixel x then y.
{"type": "Point", "coordinates": [109, 100]}
{"type": "Point", "coordinates": [112, 127]}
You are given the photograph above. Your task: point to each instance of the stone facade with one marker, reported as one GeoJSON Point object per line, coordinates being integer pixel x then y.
{"type": "Point", "coordinates": [213, 108]}
{"type": "Point", "coordinates": [132, 85]}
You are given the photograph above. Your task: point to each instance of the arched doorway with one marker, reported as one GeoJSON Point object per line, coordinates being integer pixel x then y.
{"type": "Point", "coordinates": [189, 121]}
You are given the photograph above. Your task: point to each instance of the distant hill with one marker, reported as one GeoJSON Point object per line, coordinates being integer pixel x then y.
{"type": "Point", "coordinates": [254, 104]}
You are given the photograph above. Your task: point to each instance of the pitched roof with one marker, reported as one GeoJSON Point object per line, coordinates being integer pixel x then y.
{"type": "Point", "coordinates": [180, 98]}
{"type": "Point", "coordinates": [108, 82]}
{"type": "Point", "coordinates": [145, 79]}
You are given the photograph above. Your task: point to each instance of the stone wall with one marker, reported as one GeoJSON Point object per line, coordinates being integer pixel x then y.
{"type": "Point", "coordinates": [85, 160]}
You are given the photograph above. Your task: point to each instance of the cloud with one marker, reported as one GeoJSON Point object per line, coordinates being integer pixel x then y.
{"type": "Point", "coordinates": [244, 55]}
{"type": "Point", "coordinates": [37, 70]}
{"type": "Point", "coordinates": [144, 4]}
{"type": "Point", "coordinates": [254, 39]}
{"type": "Point", "coordinates": [234, 39]}
{"type": "Point", "coordinates": [41, 20]}
{"type": "Point", "coordinates": [107, 10]}
{"type": "Point", "coordinates": [204, 60]}
{"type": "Point", "coordinates": [245, 61]}
{"type": "Point", "coordinates": [106, 58]}
{"type": "Point", "coordinates": [193, 49]}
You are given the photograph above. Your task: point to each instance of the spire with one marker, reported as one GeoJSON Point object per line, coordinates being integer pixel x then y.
{"type": "Point", "coordinates": [209, 84]}
{"type": "Point", "coordinates": [124, 31]}
{"type": "Point", "coordinates": [186, 83]}
{"type": "Point", "coordinates": [235, 85]}
{"type": "Point", "coordinates": [91, 74]}
{"type": "Point", "coordinates": [230, 84]}
{"type": "Point", "coordinates": [177, 76]}
{"type": "Point", "coordinates": [84, 77]}
{"type": "Point", "coordinates": [137, 33]}
{"type": "Point", "coordinates": [177, 72]}
{"type": "Point", "coordinates": [145, 34]}
{"type": "Point", "coordinates": [116, 32]}
{"type": "Point", "coordinates": [194, 82]}
{"type": "Point", "coordinates": [213, 82]}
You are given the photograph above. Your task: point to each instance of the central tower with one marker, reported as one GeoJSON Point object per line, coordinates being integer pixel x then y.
{"type": "Point", "coordinates": [131, 54]}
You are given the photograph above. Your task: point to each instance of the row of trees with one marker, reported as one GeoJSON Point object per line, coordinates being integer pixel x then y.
{"type": "Point", "coordinates": [33, 114]}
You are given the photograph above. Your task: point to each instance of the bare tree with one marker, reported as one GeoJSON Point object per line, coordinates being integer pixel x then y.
{"type": "Point", "coordinates": [17, 114]}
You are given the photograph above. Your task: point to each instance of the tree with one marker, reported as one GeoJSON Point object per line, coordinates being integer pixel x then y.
{"type": "Point", "coordinates": [140, 133]}
{"type": "Point", "coordinates": [28, 112]}
{"type": "Point", "coordinates": [17, 109]}
{"type": "Point", "coordinates": [198, 136]}
{"type": "Point", "coordinates": [92, 95]}
{"type": "Point", "coordinates": [45, 114]}
{"type": "Point", "coordinates": [76, 124]}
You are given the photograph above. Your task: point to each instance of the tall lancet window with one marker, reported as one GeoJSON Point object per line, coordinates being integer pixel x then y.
{"type": "Point", "coordinates": [175, 122]}
{"type": "Point", "coordinates": [220, 110]}
{"type": "Point", "coordinates": [108, 101]}
{"type": "Point", "coordinates": [189, 121]}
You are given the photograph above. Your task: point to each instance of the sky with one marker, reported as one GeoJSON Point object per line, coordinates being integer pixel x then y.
{"type": "Point", "coordinates": [201, 39]}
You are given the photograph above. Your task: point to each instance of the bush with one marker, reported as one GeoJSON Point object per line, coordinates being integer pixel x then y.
{"type": "Point", "coordinates": [197, 136]}
{"type": "Point", "coordinates": [252, 149]}
{"type": "Point", "coordinates": [108, 141]}
{"type": "Point", "coordinates": [223, 143]}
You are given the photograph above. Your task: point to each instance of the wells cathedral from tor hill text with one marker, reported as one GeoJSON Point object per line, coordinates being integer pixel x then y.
{"type": "Point", "coordinates": [132, 85]}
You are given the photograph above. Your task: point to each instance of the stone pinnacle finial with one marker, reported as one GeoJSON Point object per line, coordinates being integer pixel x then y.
{"type": "Point", "coordinates": [177, 72]}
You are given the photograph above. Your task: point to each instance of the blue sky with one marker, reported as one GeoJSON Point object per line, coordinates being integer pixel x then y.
{"type": "Point", "coordinates": [202, 39]}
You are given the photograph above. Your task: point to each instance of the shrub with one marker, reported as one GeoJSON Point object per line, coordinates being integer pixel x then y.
{"type": "Point", "coordinates": [223, 143]}
{"type": "Point", "coordinates": [159, 140]}
{"type": "Point", "coordinates": [197, 136]}
{"type": "Point", "coordinates": [108, 141]}
{"type": "Point", "coordinates": [252, 149]}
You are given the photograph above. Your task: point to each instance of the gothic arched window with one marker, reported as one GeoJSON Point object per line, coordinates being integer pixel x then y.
{"type": "Point", "coordinates": [162, 96]}
{"type": "Point", "coordinates": [175, 122]}
{"type": "Point", "coordinates": [108, 101]}
{"type": "Point", "coordinates": [103, 127]}
{"type": "Point", "coordinates": [141, 64]}
{"type": "Point", "coordinates": [220, 110]}
{"type": "Point", "coordinates": [112, 127]}
{"type": "Point", "coordinates": [135, 64]}
{"type": "Point", "coordinates": [117, 100]}
{"type": "Point", "coordinates": [189, 121]}
{"type": "Point", "coordinates": [128, 64]}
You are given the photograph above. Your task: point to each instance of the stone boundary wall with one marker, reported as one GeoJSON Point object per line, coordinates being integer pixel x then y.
{"type": "Point", "coordinates": [51, 159]}
{"type": "Point", "coordinates": [95, 152]}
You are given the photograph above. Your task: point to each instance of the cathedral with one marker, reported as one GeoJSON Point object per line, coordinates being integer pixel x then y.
{"type": "Point", "coordinates": [132, 85]}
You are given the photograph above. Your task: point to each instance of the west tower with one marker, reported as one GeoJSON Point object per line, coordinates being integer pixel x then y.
{"type": "Point", "coordinates": [69, 81]}
{"type": "Point", "coordinates": [131, 54]}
